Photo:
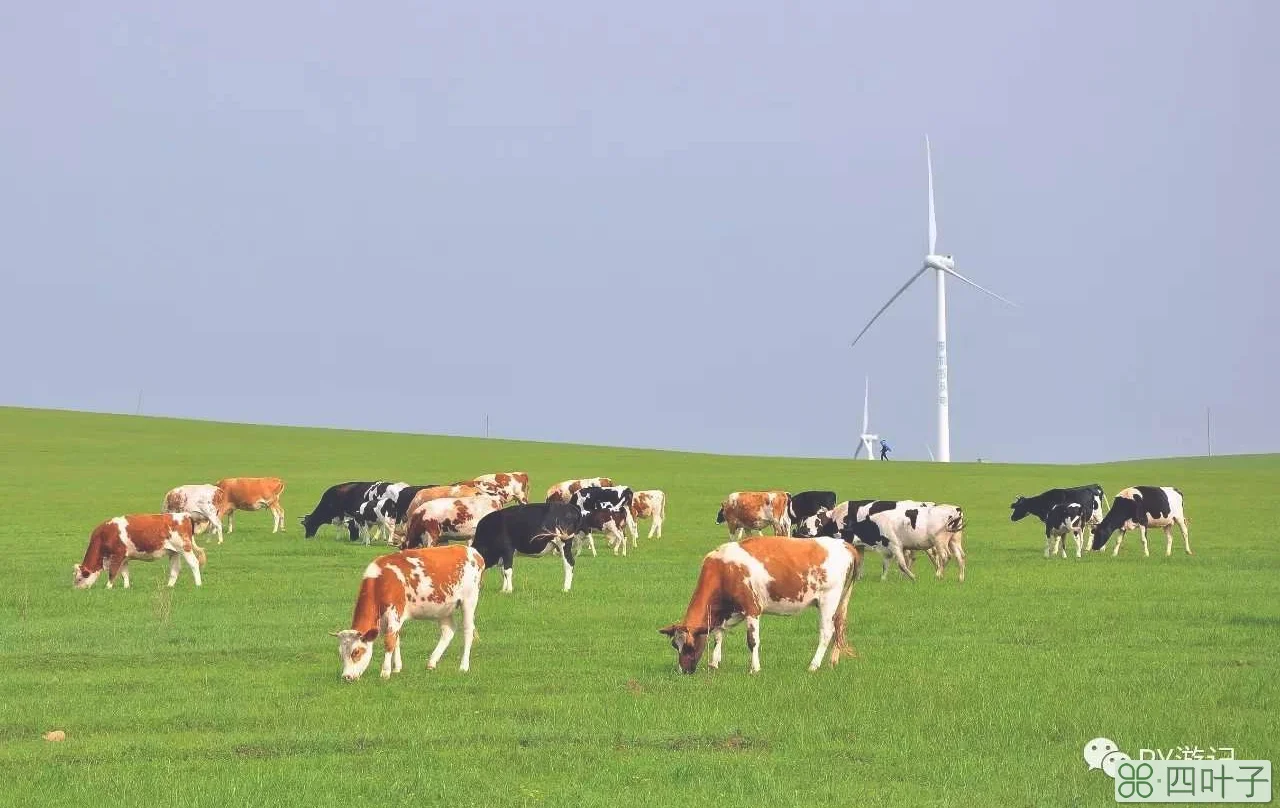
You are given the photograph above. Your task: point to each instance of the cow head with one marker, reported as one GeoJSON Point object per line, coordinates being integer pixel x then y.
{"type": "Point", "coordinates": [355, 650]}
{"type": "Point", "coordinates": [310, 524]}
{"type": "Point", "coordinates": [689, 645]}
{"type": "Point", "coordinates": [820, 524]}
{"type": "Point", "coordinates": [83, 579]}
{"type": "Point", "coordinates": [1101, 535]}
{"type": "Point", "coordinates": [1019, 507]}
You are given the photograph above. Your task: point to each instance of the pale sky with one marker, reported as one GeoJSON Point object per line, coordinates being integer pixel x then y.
{"type": "Point", "coordinates": [648, 224]}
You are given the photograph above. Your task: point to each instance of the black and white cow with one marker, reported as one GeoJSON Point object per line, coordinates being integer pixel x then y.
{"type": "Point", "coordinates": [895, 528]}
{"type": "Point", "coordinates": [533, 530]}
{"type": "Point", "coordinates": [338, 505]}
{"type": "Point", "coordinates": [1142, 507]}
{"type": "Point", "coordinates": [361, 506]}
{"type": "Point", "coordinates": [607, 510]}
{"type": "Point", "coordinates": [1039, 505]}
{"type": "Point", "coordinates": [1066, 519]}
{"type": "Point", "coordinates": [808, 503]}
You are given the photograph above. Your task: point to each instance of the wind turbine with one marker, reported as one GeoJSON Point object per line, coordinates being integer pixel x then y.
{"type": "Point", "coordinates": [943, 265]}
{"type": "Point", "coordinates": [868, 440]}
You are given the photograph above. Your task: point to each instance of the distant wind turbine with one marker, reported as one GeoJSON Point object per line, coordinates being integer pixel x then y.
{"type": "Point", "coordinates": [944, 265]}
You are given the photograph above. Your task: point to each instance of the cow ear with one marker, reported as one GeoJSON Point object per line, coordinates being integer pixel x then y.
{"type": "Point", "coordinates": [370, 635]}
{"type": "Point", "coordinates": [335, 633]}
{"type": "Point", "coordinates": [670, 630]}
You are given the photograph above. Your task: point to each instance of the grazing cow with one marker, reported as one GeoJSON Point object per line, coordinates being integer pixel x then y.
{"type": "Point", "coordinates": [532, 530]}
{"type": "Point", "coordinates": [1066, 519]}
{"type": "Point", "coordinates": [754, 510]}
{"type": "Point", "coordinates": [1091, 495]}
{"type": "Point", "coordinates": [340, 504]}
{"type": "Point", "coordinates": [895, 527]}
{"type": "Point", "coordinates": [379, 510]}
{"type": "Point", "coordinates": [205, 504]}
{"type": "Point", "coordinates": [560, 492]}
{"type": "Point", "coordinates": [431, 583]}
{"type": "Point", "coordinates": [454, 491]}
{"type": "Point", "coordinates": [115, 542]}
{"type": "Point", "coordinates": [607, 510]}
{"type": "Point", "coordinates": [650, 504]}
{"type": "Point", "coordinates": [510, 486]}
{"type": "Point", "coordinates": [443, 519]}
{"type": "Point", "coordinates": [1142, 507]}
{"type": "Point", "coordinates": [768, 575]}
{"type": "Point", "coordinates": [253, 494]}
{"type": "Point", "coordinates": [807, 503]}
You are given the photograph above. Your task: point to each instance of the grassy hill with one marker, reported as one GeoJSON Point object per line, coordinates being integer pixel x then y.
{"type": "Point", "coordinates": [981, 693]}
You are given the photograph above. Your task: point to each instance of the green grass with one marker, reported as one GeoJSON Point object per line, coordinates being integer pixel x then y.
{"type": "Point", "coordinates": [975, 694]}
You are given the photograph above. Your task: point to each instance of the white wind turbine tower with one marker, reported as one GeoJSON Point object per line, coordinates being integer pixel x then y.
{"type": "Point", "coordinates": [868, 440]}
{"type": "Point", "coordinates": [944, 265]}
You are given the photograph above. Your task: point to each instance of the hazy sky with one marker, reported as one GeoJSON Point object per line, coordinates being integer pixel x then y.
{"type": "Point", "coordinates": [651, 224]}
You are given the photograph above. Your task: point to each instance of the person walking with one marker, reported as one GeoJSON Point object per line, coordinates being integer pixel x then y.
{"type": "Point", "coordinates": [884, 450]}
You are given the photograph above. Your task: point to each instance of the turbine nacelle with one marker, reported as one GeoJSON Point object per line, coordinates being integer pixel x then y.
{"type": "Point", "coordinates": [945, 263]}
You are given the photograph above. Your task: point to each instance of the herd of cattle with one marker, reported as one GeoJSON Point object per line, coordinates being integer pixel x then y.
{"type": "Point", "coordinates": [813, 559]}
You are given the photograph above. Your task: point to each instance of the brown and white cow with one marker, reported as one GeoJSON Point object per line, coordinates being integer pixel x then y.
{"type": "Point", "coordinates": [455, 491]}
{"type": "Point", "coordinates": [146, 537]}
{"type": "Point", "coordinates": [650, 504]}
{"type": "Point", "coordinates": [743, 511]}
{"type": "Point", "coordinates": [253, 494]}
{"type": "Point", "coordinates": [447, 518]}
{"type": "Point", "coordinates": [562, 491]}
{"type": "Point", "coordinates": [429, 583]}
{"type": "Point", "coordinates": [768, 575]}
{"type": "Point", "coordinates": [205, 504]}
{"type": "Point", "coordinates": [510, 486]}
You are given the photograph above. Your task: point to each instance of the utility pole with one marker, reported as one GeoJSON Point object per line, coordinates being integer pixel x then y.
{"type": "Point", "coordinates": [486, 424]}
{"type": "Point", "coordinates": [1208, 429]}
{"type": "Point", "coordinates": [139, 410]}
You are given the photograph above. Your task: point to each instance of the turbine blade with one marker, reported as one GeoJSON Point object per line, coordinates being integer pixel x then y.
{"type": "Point", "coordinates": [858, 451]}
{"type": "Point", "coordinates": [960, 277]}
{"type": "Point", "coordinates": [933, 222]}
{"type": "Point", "coordinates": [896, 295]}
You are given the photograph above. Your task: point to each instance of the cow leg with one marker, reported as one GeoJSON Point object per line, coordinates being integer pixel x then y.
{"type": "Point", "coordinates": [566, 553]}
{"type": "Point", "coordinates": [1119, 541]}
{"type": "Point", "coordinates": [446, 637]}
{"type": "Point", "coordinates": [113, 569]}
{"type": "Point", "coordinates": [827, 607]}
{"type": "Point", "coordinates": [884, 565]}
{"type": "Point", "coordinates": [1168, 540]}
{"type": "Point", "coordinates": [217, 526]}
{"type": "Point", "coordinates": [1142, 531]}
{"type": "Point", "coordinates": [1063, 540]}
{"type": "Point", "coordinates": [468, 631]}
{"type": "Point", "coordinates": [716, 651]}
{"type": "Point", "coordinates": [736, 535]}
{"type": "Point", "coordinates": [902, 562]}
{"type": "Point", "coordinates": [957, 550]}
{"type": "Point", "coordinates": [633, 527]}
{"type": "Point", "coordinates": [1186, 536]}
{"type": "Point", "coordinates": [939, 559]}
{"type": "Point", "coordinates": [1049, 543]}
{"type": "Point", "coordinates": [753, 642]}
{"type": "Point", "coordinates": [591, 542]}
{"type": "Point", "coordinates": [175, 564]}
{"type": "Point", "coordinates": [391, 645]}
{"type": "Point", "coordinates": [277, 511]}
{"type": "Point", "coordinates": [617, 537]}
{"type": "Point", "coordinates": [1079, 537]}
{"type": "Point", "coordinates": [193, 562]}
{"type": "Point", "coordinates": [231, 521]}
{"type": "Point", "coordinates": [508, 561]}
{"type": "Point", "coordinates": [124, 573]}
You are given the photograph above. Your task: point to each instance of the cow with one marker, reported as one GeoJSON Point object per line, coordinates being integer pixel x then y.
{"type": "Point", "coordinates": [1142, 507]}
{"type": "Point", "coordinates": [651, 504]}
{"type": "Point", "coordinates": [895, 527]}
{"type": "Point", "coordinates": [379, 511]}
{"type": "Point", "coordinates": [536, 529]}
{"type": "Point", "coordinates": [754, 510]}
{"type": "Point", "coordinates": [510, 486]}
{"type": "Point", "coordinates": [205, 503]}
{"type": "Point", "coordinates": [1039, 505]}
{"type": "Point", "coordinates": [817, 524]}
{"type": "Point", "coordinates": [768, 575]}
{"type": "Point", "coordinates": [607, 510]}
{"type": "Point", "coordinates": [339, 505]}
{"type": "Point", "coordinates": [807, 503]}
{"type": "Point", "coordinates": [560, 492]}
{"type": "Point", "coordinates": [146, 537]}
{"type": "Point", "coordinates": [253, 494]}
{"type": "Point", "coordinates": [454, 491]}
{"type": "Point", "coordinates": [442, 519]}
{"type": "Point", "coordinates": [430, 583]}
{"type": "Point", "coordinates": [1066, 519]}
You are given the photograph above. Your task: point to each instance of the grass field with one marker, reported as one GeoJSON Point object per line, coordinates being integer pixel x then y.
{"type": "Point", "coordinates": [975, 694]}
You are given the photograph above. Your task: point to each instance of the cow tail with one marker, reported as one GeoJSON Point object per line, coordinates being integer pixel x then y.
{"type": "Point", "coordinates": [956, 523]}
